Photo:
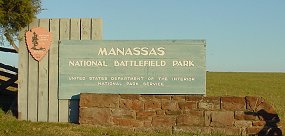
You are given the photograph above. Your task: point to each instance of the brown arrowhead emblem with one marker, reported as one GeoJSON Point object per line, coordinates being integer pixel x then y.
{"type": "Point", "coordinates": [38, 41]}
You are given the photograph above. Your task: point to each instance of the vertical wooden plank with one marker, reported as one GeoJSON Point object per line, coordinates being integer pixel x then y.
{"type": "Point", "coordinates": [76, 34]}
{"type": "Point", "coordinates": [43, 81]}
{"type": "Point", "coordinates": [23, 77]}
{"type": "Point", "coordinates": [75, 29]}
{"type": "Point", "coordinates": [96, 29]}
{"type": "Point", "coordinates": [64, 104]}
{"type": "Point", "coordinates": [64, 31]}
{"type": "Point", "coordinates": [33, 83]}
{"type": "Point", "coordinates": [53, 72]}
{"type": "Point", "coordinates": [85, 28]}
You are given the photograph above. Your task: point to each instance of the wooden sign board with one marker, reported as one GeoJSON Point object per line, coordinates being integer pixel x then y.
{"type": "Point", "coordinates": [132, 67]}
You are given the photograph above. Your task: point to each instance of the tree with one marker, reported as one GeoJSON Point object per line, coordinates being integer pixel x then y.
{"type": "Point", "coordinates": [15, 15]}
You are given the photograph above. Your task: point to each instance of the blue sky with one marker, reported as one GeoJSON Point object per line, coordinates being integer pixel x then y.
{"type": "Point", "coordinates": [241, 35]}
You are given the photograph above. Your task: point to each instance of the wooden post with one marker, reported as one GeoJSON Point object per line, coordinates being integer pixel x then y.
{"type": "Point", "coordinates": [23, 77]}
{"type": "Point", "coordinates": [38, 81]}
{"type": "Point", "coordinates": [63, 104]}
{"type": "Point", "coordinates": [33, 83]}
{"type": "Point", "coordinates": [53, 71]}
{"type": "Point", "coordinates": [43, 81]}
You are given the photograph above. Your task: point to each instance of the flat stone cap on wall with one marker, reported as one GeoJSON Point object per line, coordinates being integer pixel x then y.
{"type": "Point", "coordinates": [175, 113]}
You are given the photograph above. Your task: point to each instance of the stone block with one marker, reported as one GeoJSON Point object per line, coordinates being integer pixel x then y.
{"type": "Point", "coordinates": [131, 104]}
{"type": "Point", "coordinates": [178, 97]}
{"type": "Point", "coordinates": [233, 103]}
{"type": "Point", "coordinates": [219, 118]}
{"type": "Point", "coordinates": [210, 103]}
{"type": "Point", "coordinates": [163, 121]}
{"type": "Point", "coordinates": [257, 104]}
{"type": "Point", "coordinates": [123, 113]}
{"type": "Point", "coordinates": [242, 115]}
{"type": "Point", "coordinates": [123, 122]}
{"type": "Point", "coordinates": [252, 103]}
{"type": "Point", "coordinates": [169, 105]}
{"type": "Point", "coordinates": [243, 123]}
{"type": "Point", "coordinates": [208, 118]}
{"type": "Point", "coordinates": [258, 123]}
{"type": "Point", "coordinates": [147, 97]}
{"type": "Point", "coordinates": [145, 115]}
{"type": "Point", "coordinates": [160, 112]}
{"type": "Point", "coordinates": [163, 97]}
{"type": "Point", "coordinates": [172, 112]}
{"type": "Point", "coordinates": [195, 118]}
{"type": "Point", "coordinates": [187, 105]}
{"type": "Point", "coordinates": [253, 130]}
{"type": "Point", "coordinates": [193, 98]}
{"type": "Point", "coordinates": [130, 96]}
{"type": "Point", "coordinates": [99, 100]}
{"type": "Point", "coordinates": [152, 105]}
{"type": "Point", "coordinates": [95, 116]}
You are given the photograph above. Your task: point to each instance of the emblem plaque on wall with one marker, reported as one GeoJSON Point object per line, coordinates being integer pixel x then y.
{"type": "Point", "coordinates": [38, 42]}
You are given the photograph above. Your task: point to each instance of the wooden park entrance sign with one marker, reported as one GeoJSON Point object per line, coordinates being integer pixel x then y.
{"type": "Point", "coordinates": [51, 77]}
{"type": "Point", "coordinates": [77, 63]}
{"type": "Point", "coordinates": [131, 67]}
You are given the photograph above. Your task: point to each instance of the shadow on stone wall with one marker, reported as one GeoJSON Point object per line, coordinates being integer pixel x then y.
{"type": "Point", "coordinates": [270, 128]}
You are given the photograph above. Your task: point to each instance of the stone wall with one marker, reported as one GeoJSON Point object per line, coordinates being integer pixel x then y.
{"type": "Point", "coordinates": [174, 113]}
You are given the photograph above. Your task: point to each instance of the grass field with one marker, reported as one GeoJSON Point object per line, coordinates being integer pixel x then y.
{"type": "Point", "coordinates": [271, 86]}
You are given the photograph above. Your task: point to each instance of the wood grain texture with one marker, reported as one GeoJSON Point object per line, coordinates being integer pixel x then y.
{"type": "Point", "coordinates": [74, 29]}
{"type": "Point", "coordinates": [64, 104]}
{"type": "Point", "coordinates": [97, 32]}
{"type": "Point", "coordinates": [64, 29]}
{"type": "Point", "coordinates": [33, 83]}
{"type": "Point", "coordinates": [53, 72]}
{"type": "Point", "coordinates": [43, 81]}
{"type": "Point", "coordinates": [23, 77]}
{"type": "Point", "coordinates": [85, 29]}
